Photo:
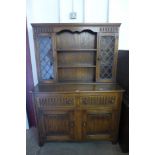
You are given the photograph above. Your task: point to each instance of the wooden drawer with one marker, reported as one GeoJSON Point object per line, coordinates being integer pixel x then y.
{"type": "Point", "coordinates": [95, 100]}
{"type": "Point", "coordinates": [56, 100]}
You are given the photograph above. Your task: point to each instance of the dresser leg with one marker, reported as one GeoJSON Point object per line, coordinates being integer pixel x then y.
{"type": "Point", "coordinates": [41, 142]}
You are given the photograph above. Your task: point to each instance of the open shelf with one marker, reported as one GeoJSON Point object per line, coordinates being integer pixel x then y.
{"type": "Point", "coordinates": [77, 66]}
{"type": "Point", "coordinates": [76, 74]}
{"type": "Point", "coordinates": [76, 56]}
{"type": "Point", "coordinates": [74, 59]}
{"type": "Point", "coordinates": [75, 49]}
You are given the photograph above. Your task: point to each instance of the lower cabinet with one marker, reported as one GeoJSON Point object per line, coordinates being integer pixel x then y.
{"type": "Point", "coordinates": [74, 118]}
{"type": "Point", "coordinates": [77, 125]}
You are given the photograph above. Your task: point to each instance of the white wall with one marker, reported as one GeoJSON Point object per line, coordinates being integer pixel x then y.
{"type": "Point", "coordinates": [88, 11]}
{"type": "Point", "coordinates": [67, 6]}
{"type": "Point", "coordinates": [93, 11]}
{"type": "Point", "coordinates": [119, 12]}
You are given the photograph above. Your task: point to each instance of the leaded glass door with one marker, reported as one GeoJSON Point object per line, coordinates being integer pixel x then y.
{"type": "Point", "coordinates": [46, 56]}
{"type": "Point", "coordinates": [107, 58]}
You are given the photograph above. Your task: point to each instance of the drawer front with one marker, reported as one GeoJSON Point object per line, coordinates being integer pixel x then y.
{"type": "Point", "coordinates": [57, 100]}
{"type": "Point", "coordinates": [95, 100]}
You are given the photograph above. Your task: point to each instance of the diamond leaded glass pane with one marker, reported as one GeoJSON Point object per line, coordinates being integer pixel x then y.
{"type": "Point", "coordinates": [46, 61]}
{"type": "Point", "coordinates": [107, 44]}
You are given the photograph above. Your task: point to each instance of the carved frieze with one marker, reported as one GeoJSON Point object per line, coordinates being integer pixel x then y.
{"type": "Point", "coordinates": [43, 29]}
{"type": "Point", "coordinates": [50, 28]}
{"type": "Point", "coordinates": [55, 101]}
{"type": "Point", "coordinates": [109, 29]}
{"type": "Point", "coordinates": [97, 100]}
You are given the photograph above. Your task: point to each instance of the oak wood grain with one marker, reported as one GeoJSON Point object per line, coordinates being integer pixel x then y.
{"type": "Point", "coordinates": [81, 101]}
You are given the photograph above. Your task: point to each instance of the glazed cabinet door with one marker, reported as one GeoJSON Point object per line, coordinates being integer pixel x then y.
{"type": "Point", "coordinates": [107, 57]}
{"type": "Point", "coordinates": [45, 57]}
{"type": "Point", "coordinates": [97, 125]}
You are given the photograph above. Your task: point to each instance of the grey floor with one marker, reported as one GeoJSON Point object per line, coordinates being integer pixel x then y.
{"type": "Point", "coordinates": [69, 148]}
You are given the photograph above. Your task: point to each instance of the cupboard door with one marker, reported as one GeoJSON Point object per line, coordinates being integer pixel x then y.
{"type": "Point", "coordinates": [107, 57]}
{"type": "Point", "coordinates": [59, 125]}
{"type": "Point", "coordinates": [97, 125]}
{"type": "Point", "coordinates": [45, 57]}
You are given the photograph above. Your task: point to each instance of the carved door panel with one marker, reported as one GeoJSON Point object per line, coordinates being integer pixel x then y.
{"type": "Point", "coordinates": [45, 57]}
{"type": "Point", "coordinates": [59, 125]}
{"type": "Point", "coordinates": [107, 57]}
{"type": "Point", "coordinates": [97, 125]}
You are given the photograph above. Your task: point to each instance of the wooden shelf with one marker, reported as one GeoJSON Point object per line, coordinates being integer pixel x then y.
{"type": "Point", "coordinates": [78, 66]}
{"type": "Point", "coordinates": [61, 50]}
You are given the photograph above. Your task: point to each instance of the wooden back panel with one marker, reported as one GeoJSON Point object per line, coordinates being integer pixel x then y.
{"type": "Point", "coordinates": [79, 40]}
{"type": "Point", "coordinates": [76, 74]}
{"type": "Point", "coordinates": [76, 58]}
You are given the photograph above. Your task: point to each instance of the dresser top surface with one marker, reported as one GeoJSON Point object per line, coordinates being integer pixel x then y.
{"type": "Point", "coordinates": [75, 88]}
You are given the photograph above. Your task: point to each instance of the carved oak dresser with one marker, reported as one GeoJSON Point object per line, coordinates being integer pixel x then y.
{"type": "Point", "coordinates": [77, 97]}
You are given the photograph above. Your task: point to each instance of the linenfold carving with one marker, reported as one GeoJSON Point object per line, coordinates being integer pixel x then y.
{"type": "Point", "coordinates": [98, 100]}
{"type": "Point", "coordinates": [55, 101]}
